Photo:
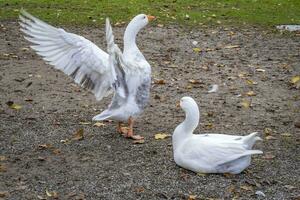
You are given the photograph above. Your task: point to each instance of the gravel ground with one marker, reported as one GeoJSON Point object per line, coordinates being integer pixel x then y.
{"type": "Point", "coordinates": [42, 159]}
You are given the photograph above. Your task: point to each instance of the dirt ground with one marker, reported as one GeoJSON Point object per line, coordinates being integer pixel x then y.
{"type": "Point", "coordinates": [41, 158]}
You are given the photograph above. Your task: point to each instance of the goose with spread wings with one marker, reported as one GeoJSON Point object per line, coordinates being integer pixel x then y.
{"type": "Point", "coordinates": [127, 73]}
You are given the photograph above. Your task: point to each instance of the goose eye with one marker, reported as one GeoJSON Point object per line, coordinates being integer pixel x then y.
{"type": "Point", "coordinates": [144, 17]}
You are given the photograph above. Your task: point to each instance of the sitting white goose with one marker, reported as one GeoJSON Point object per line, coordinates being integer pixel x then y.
{"type": "Point", "coordinates": [210, 153]}
{"type": "Point", "coordinates": [127, 74]}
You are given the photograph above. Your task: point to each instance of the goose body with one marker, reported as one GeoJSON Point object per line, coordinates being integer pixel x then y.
{"type": "Point", "coordinates": [127, 74]}
{"type": "Point", "coordinates": [210, 153]}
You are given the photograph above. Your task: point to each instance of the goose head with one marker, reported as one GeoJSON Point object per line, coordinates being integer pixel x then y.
{"type": "Point", "coordinates": [135, 25]}
{"type": "Point", "coordinates": [190, 107]}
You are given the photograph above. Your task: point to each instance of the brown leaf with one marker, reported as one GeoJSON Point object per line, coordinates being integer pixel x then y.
{"type": "Point", "coordinates": [161, 136]}
{"type": "Point", "coordinates": [78, 135]}
{"type": "Point", "coordinates": [192, 197]}
{"type": "Point", "coordinates": [139, 189]}
{"type": "Point", "coordinates": [56, 151]}
{"type": "Point", "coordinates": [160, 81]}
{"type": "Point", "coordinates": [193, 81]}
{"type": "Point", "coordinates": [3, 168]}
{"type": "Point", "coordinates": [3, 194]}
{"type": "Point", "coordinates": [247, 187]}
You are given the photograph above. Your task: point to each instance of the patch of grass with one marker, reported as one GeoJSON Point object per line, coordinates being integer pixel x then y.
{"type": "Point", "coordinates": [188, 12]}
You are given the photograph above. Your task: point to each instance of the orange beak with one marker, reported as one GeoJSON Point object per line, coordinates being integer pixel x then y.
{"type": "Point", "coordinates": [150, 18]}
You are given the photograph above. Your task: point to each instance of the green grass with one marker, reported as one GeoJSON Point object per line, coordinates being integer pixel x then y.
{"type": "Point", "coordinates": [210, 12]}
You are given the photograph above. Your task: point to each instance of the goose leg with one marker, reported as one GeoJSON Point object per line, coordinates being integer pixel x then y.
{"type": "Point", "coordinates": [130, 131]}
{"type": "Point", "coordinates": [122, 130]}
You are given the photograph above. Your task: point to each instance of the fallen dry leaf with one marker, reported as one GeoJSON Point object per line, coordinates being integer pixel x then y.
{"type": "Point", "coordinates": [251, 82]}
{"type": "Point", "coordinates": [295, 79]}
{"type": "Point", "coordinates": [2, 158]}
{"type": "Point", "coordinates": [232, 46]}
{"type": "Point", "coordinates": [192, 197]}
{"type": "Point", "coordinates": [84, 123]}
{"type": "Point", "coordinates": [41, 197]}
{"type": "Point", "coordinates": [3, 168]}
{"type": "Point", "coordinates": [197, 50]}
{"type": "Point", "coordinates": [13, 105]}
{"type": "Point", "coordinates": [260, 70]}
{"type": "Point", "coordinates": [160, 81]}
{"type": "Point", "coordinates": [245, 103]}
{"type": "Point", "coordinates": [141, 141]}
{"type": "Point", "coordinates": [286, 135]}
{"type": "Point", "coordinates": [52, 194]}
{"type": "Point", "coordinates": [268, 131]}
{"type": "Point", "coordinates": [99, 124]}
{"type": "Point", "coordinates": [3, 194]}
{"type": "Point", "coordinates": [193, 81]}
{"type": "Point", "coordinates": [250, 93]}
{"type": "Point", "coordinates": [45, 146]}
{"type": "Point", "coordinates": [78, 135]}
{"type": "Point", "coordinates": [161, 136]}
{"type": "Point", "coordinates": [270, 137]}
{"type": "Point", "coordinates": [247, 187]}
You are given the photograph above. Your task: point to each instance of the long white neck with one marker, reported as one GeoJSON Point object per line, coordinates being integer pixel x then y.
{"type": "Point", "coordinates": [129, 38]}
{"type": "Point", "coordinates": [187, 127]}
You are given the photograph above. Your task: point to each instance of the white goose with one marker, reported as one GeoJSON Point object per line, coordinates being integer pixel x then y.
{"type": "Point", "coordinates": [127, 74]}
{"type": "Point", "coordinates": [210, 153]}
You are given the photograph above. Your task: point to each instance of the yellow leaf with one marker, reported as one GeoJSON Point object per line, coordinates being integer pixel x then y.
{"type": "Point", "coordinates": [231, 46]}
{"type": "Point", "coordinates": [99, 124]}
{"type": "Point", "coordinates": [78, 135]}
{"type": "Point", "coordinates": [245, 103]}
{"type": "Point", "coordinates": [52, 194]}
{"type": "Point", "coordinates": [161, 136]}
{"type": "Point", "coordinates": [268, 131]}
{"type": "Point", "coordinates": [286, 135]}
{"type": "Point", "coordinates": [250, 82]}
{"type": "Point", "coordinates": [295, 79]}
{"type": "Point", "coordinates": [197, 50]}
{"type": "Point", "coordinates": [250, 93]}
{"type": "Point", "coordinates": [13, 105]}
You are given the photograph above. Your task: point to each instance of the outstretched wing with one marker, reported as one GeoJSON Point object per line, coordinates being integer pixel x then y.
{"type": "Point", "coordinates": [116, 61]}
{"type": "Point", "coordinates": [73, 54]}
